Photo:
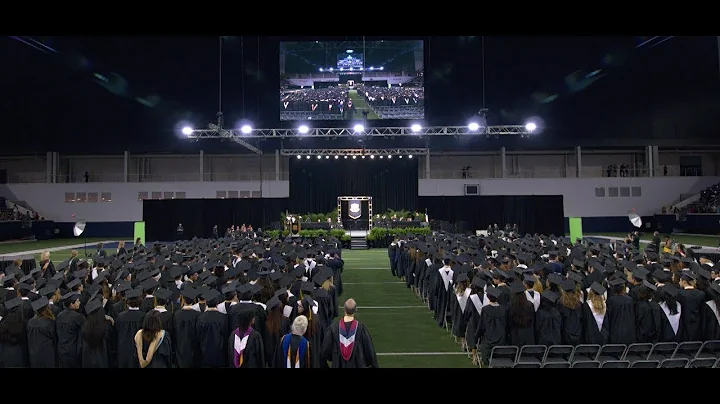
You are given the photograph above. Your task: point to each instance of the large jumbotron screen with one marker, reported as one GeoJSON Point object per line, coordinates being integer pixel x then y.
{"type": "Point", "coordinates": [352, 80]}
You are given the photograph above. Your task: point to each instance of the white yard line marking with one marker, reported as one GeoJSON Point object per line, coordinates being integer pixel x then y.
{"type": "Point", "coordinates": [387, 307]}
{"type": "Point", "coordinates": [53, 249]}
{"type": "Point", "coordinates": [419, 353]}
{"type": "Point", "coordinates": [372, 283]}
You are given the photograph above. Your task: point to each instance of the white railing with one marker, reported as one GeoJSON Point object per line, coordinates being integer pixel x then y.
{"type": "Point", "coordinates": [38, 178]}
{"type": "Point", "coordinates": [569, 172]}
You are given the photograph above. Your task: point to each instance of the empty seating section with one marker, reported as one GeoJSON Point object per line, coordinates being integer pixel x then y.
{"type": "Point", "coordinates": [402, 112]}
{"type": "Point", "coordinates": [692, 354]}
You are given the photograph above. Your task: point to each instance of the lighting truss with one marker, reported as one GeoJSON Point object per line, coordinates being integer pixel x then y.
{"type": "Point", "coordinates": [354, 152]}
{"type": "Point", "coordinates": [503, 130]}
{"type": "Point", "coordinates": [217, 132]}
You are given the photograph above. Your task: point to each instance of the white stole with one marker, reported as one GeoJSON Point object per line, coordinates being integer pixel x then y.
{"type": "Point", "coordinates": [462, 299]}
{"type": "Point", "coordinates": [674, 319]}
{"type": "Point", "coordinates": [714, 308]}
{"type": "Point", "coordinates": [599, 318]}
{"type": "Point", "coordinates": [475, 299]}
{"type": "Point", "coordinates": [446, 274]}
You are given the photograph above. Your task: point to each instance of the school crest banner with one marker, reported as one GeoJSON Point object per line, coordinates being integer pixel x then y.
{"type": "Point", "coordinates": [354, 209]}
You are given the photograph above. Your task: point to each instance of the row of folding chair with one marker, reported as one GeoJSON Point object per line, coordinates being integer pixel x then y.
{"type": "Point", "coordinates": [507, 356]}
{"type": "Point", "coordinates": [643, 364]}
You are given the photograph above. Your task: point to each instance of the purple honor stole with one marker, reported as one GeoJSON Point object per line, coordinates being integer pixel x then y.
{"type": "Point", "coordinates": [347, 339]}
{"type": "Point", "coordinates": [239, 346]}
{"type": "Point", "coordinates": [301, 351]}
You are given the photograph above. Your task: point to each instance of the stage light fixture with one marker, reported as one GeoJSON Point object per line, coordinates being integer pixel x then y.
{"type": "Point", "coordinates": [530, 126]}
{"type": "Point", "coordinates": [187, 131]}
{"type": "Point", "coordinates": [381, 156]}
{"type": "Point", "coordinates": [345, 157]}
{"type": "Point", "coordinates": [327, 157]}
{"type": "Point", "coordinates": [399, 157]}
{"type": "Point", "coordinates": [337, 157]}
{"type": "Point", "coordinates": [299, 157]}
{"type": "Point", "coordinates": [319, 157]}
{"type": "Point", "coordinates": [246, 129]}
{"type": "Point", "coordinates": [473, 126]}
{"type": "Point", "coordinates": [303, 129]}
{"type": "Point", "coordinates": [410, 156]}
{"type": "Point", "coordinates": [416, 128]}
{"type": "Point", "coordinates": [363, 157]}
{"type": "Point", "coordinates": [389, 157]}
{"type": "Point", "coordinates": [372, 157]}
{"type": "Point", "coordinates": [358, 128]}
{"type": "Point", "coordinates": [308, 157]}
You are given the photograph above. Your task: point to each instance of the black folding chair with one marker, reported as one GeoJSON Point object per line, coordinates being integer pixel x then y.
{"type": "Point", "coordinates": [687, 350]}
{"type": "Point", "coordinates": [532, 354]}
{"type": "Point", "coordinates": [674, 363]}
{"type": "Point", "coordinates": [558, 354]}
{"type": "Point", "coordinates": [645, 364]}
{"type": "Point", "coordinates": [662, 351]}
{"type": "Point", "coordinates": [637, 352]}
{"type": "Point", "coordinates": [611, 352]}
{"type": "Point", "coordinates": [615, 364]}
{"type": "Point", "coordinates": [581, 364]}
{"type": "Point", "coordinates": [585, 352]}
{"type": "Point", "coordinates": [503, 356]}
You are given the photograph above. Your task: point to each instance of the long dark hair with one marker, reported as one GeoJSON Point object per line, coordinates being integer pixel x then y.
{"type": "Point", "coordinates": [94, 329]}
{"type": "Point", "coordinates": [670, 301]}
{"type": "Point", "coordinates": [273, 321]}
{"type": "Point", "coordinates": [152, 324]}
{"type": "Point", "coordinates": [519, 310]}
{"type": "Point", "coordinates": [12, 328]}
{"type": "Point", "coordinates": [312, 319]}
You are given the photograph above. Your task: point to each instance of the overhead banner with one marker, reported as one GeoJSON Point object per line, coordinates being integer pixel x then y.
{"type": "Point", "coordinates": [354, 209]}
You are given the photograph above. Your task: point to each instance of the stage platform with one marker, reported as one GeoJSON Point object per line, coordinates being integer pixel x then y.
{"type": "Point", "coordinates": [356, 233]}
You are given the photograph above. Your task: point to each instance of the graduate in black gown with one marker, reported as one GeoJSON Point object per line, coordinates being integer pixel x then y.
{"type": "Point", "coordinates": [620, 313]}
{"type": "Point", "coordinates": [294, 349]}
{"type": "Point", "coordinates": [213, 332]}
{"type": "Point", "coordinates": [245, 344]}
{"type": "Point", "coordinates": [162, 302]}
{"type": "Point", "coordinates": [571, 312]}
{"type": "Point", "coordinates": [153, 347]}
{"type": "Point", "coordinates": [476, 301]}
{"type": "Point", "coordinates": [69, 323]}
{"type": "Point", "coordinates": [276, 325]}
{"type": "Point", "coordinates": [245, 302]}
{"type": "Point", "coordinates": [187, 348]}
{"type": "Point", "coordinates": [596, 327]}
{"type": "Point", "coordinates": [548, 321]}
{"type": "Point", "coordinates": [127, 325]}
{"type": "Point", "coordinates": [314, 334]}
{"type": "Point", "coordinates": [348, 343]}
{"type": "Point", "coordinates": [443, 292]}
{"type": "Point", "coordinates": [710, 316]}
{"type": "Point", "coordinates": [460, 313]}
{"type": "Point", "coordinates": [13, 336]}
{"type": "Point", "coordinates": [647, 314]}
{"type": "Point", "coordinates": [692, 301]}
{"type": "Point", "coordinates": [97, 337]}
{"type": "Point", "coordinates": [42, 336]}
{"type": "Point", "coordinates": [492, 328]}
{"type": "Point", "coordinates": [671, 310]}
{"type": "Point", "coordinates": [520, 317]}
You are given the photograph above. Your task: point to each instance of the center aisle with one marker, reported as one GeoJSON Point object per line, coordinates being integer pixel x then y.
{"type": "Point", "coordinates": [404, 334]}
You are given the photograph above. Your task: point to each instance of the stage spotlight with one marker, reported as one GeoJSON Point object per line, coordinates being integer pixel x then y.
{"type": "Point", "coordinates": [346, 157]}
{"type": "Point", "coordinates": [381, 156]}
{"type": "Point", "coordinates": [530, 126]}
{"type": "Point", "coordinates": [308, 157]}
{"type": "Point", "coordinates": [354, 157]}
{"type": "Point", "coordinates": [303, 129]}
{"type": "Point", "coordinates": [410, 156]}
{"type": "Point", "coordinates": [399, 157]}
{"type": "Point", "coordinates": [372, 157]}
{"type": "Point", "coordinates": [416, 128]}
{"type": "Point", "coordinates": [246, 129]}
{"type": "Point", "coordinates": [363, 157]}
{"type": "Point", "coordinates": [336, 157]}
{"type": "Point", "coordinates": [187, 131]}
{"type": "Point", "coordinates": [299, 157]}
{"type": "Point", "coordinates": [358, 128]}
{"type": "Point", "coordinates": [473, 126]}
{"type": "Point", "coordinates": [327, 157]}
{"type": "Point", "coordinates": [389, 157]}
{"type": "Point", "coordinates": [319, 157]}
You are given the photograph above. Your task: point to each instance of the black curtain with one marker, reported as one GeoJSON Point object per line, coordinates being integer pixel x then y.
{"type": "Point", "coordinates": [315, 183]}
{"type": "Point", "coordinates": [198, 216]}
{"type": "Point", "coordinates": [533, 213]}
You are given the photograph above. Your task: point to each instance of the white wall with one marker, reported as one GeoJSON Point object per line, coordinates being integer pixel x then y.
{"type": "Point", "coordinates": [710, 161]}
{"type": "Point", "coordinates": [49, 199]}
{"type": "Point", "coordinates": [579, 193]}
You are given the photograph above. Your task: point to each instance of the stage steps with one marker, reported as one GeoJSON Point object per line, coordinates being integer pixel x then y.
{"type": "Point", "coordinates": [358, 243]}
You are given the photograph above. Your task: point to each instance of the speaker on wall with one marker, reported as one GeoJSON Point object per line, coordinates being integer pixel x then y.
{"type": "Point", "coordinates": [472, 189]}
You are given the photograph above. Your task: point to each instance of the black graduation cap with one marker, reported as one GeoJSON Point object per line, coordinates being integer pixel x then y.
{"type": "Point", "coordinates": [93, 306]}
{"type": "Point", "coordinates": [148, 284]}
{"type": "Point", "coordinates": [494, 292]}
{"type": "Point", "coordinates": [703, 273]}
{"type": "Point", "coordinates": [34, 271]}
{"type": "Point", "coordinates": [688, 275]}
{"type": "Point", "coordinates": [209, 280]}
{"type": "Point", "coordinates": [48, 290]}
{"type": "Point", "coordinates": [38, 304]}
{"type": "Point", "coordinates": [189, 293]}
{"type": "Point", "coordinates": [555, 279]}
{"type": "Point", "coordinates": [662, 275]}
{"type": "Point", "coordinates": [479, 282]}
{"type": "Point", "coordinates": [276, 276]}
{"type": "Point", "coordinates": [307, 287]}
{"type": "Point", "coordinates": [517, 288]}
{"type": "Point", "coordinates": [229, 288]}
{"type": "Point", "coordinates": [298, 271]}
{"type": "Point", "coordinates": [273, 303]}
{"type": "Point", "coordinates": [598, 288]}
{"type": "Point", "coordinates": [649, 285]}
{"type": "Point", "coordinates": [578, 263]}
{"type": "Point", "coordinates": [122, 286]}
{"type": "Point", "coordinates": [25, 286]}
{"type": "Point", "coordinates": [639, 272]}
{"type": "Point", "coordinates": [177, 271]}
{"type": "Point", "coordinates": [163, 294]}
{"type": "Point", "coordinates": [70, 297]}
{"type": "Point", "coordinates": [715, 287]}
{"type": "Point", "coordinates": [671, 290]}
{"type": "Point", "coordinates": [133, 294]}
{"type": "Point", "coordinates": [616, 282]}
{"type": "Point", "coordinates": [568, 285]}
{"type": "Point", "coordinates": [462, 277]}
{"type": "Point", "coordinates": [551, 296]}
{"type": "Point", "coordinates": [81, 274]}
{"type": "Point", "coordinates": [27, 279]}
{"type": "Point", "coordinates": [232, 272]}
{"type": "Point", "coordinates": [13, 303]}
{"type": "Point", "coordinates": [255, 288]}
{"type": "Point", "coordinates": [575, 276]}
{"type": "Point", "coordinates": [61, 266]}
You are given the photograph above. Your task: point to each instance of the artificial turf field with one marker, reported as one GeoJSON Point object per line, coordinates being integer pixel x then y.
{"type": "Point", "coordinates": [402, 328]}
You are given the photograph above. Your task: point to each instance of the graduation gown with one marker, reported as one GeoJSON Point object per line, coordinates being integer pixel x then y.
{"type": "Point", "coordinates": [710, 321]}
{"type": "Point", "coordinates": [621, 317]}
{"type": "Point", "coordinates": [572, 324]}
{"type": "Point", "coordinates": [461, 313]}
{"type": "Point", "coordinates": [212, 334]}
{"type": "Point", "coordinates": [258, 310]}
{"type": "Point", "coordinates": [13, 355]}
{"type": "Point", "coordinates": [187, 349]}
{"type": "Point", "coordinates": [100, 356]}
{"type": "Point", "coordinates": [127, 325]}
{"type": "Point", "coordinates": [147, 303]}
{"type": "Point", "coordinates": [293, 352]}
{"type": "Point", "coordinates": [595, 325]}
{"type": "Point", "coordinates": [492, 329]}
{"type": "Point", "coordinates": [548, 326]}
{"type": "Point", "coordinates": [669, 324]}
{"type": "Point", "coordinates": [362, 351]}
{"type": "Point", "coordinates": [55, 309]}
{"type": "Point", "coordinates": [316, 341]}
{"type": "Point", "coordinates": [69, 324]}
{"type": "Point", "coordinates": [271, 339]}
{"type": "Point", "coordinates": [42, 342]}
{"type": "Point", "coordinates": [692, 301]}
{"type": "Point", "coordinates": [474, 309]}
{"type": "Point", "coordinates": [443, 292]}
{"type": "Point", "coordinates": [253, 353]}
{"type": "Point", "coordinates": [647, 321]}
{"type": "Point", "coordinates": [162, 359]}
{"type": "Point", "coordinates": [523, 335]}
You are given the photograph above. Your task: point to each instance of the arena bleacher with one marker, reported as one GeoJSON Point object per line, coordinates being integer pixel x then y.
{"type": "Point", "coordinates": [396, 102]}
{"type": "Point", "coordinates": [708, 203]}
{"type": "Point", "coordinates": [318, 104]}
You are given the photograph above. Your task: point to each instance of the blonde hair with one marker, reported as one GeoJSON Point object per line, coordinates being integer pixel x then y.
{"type": "Point", "coordinates": [45, 255]}
{"type": "Point", "coordinates": [597, 302]}
{"type": "Point", "coordinates": [327, 284]}
{"type": "Point", "coordinates": [571, 300]}
{"type": "Point", "coordinates": [300, 325]}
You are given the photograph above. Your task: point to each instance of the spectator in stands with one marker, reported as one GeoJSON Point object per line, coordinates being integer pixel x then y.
{"type": "Point", "coordinates": [410, 100]}
{"type": "Point", "coordinates": [328, 101]}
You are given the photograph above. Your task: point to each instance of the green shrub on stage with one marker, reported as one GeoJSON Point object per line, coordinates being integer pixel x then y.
{"type": "Point", "coordinates": [380, 233]}
{"type": "Point", "coordinates": [337, 233]}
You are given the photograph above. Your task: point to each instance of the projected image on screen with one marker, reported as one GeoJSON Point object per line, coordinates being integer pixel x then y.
{"type": "Point", "coordinates": [351, 80]}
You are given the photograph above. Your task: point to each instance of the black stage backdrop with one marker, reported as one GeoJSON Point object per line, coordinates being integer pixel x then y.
{"type": "Point", "coordinates": [315, 183]}
{"type": "Point", "coordinates": [198, 216]}
{"type": "Point", "coordinates": [532, 213]}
